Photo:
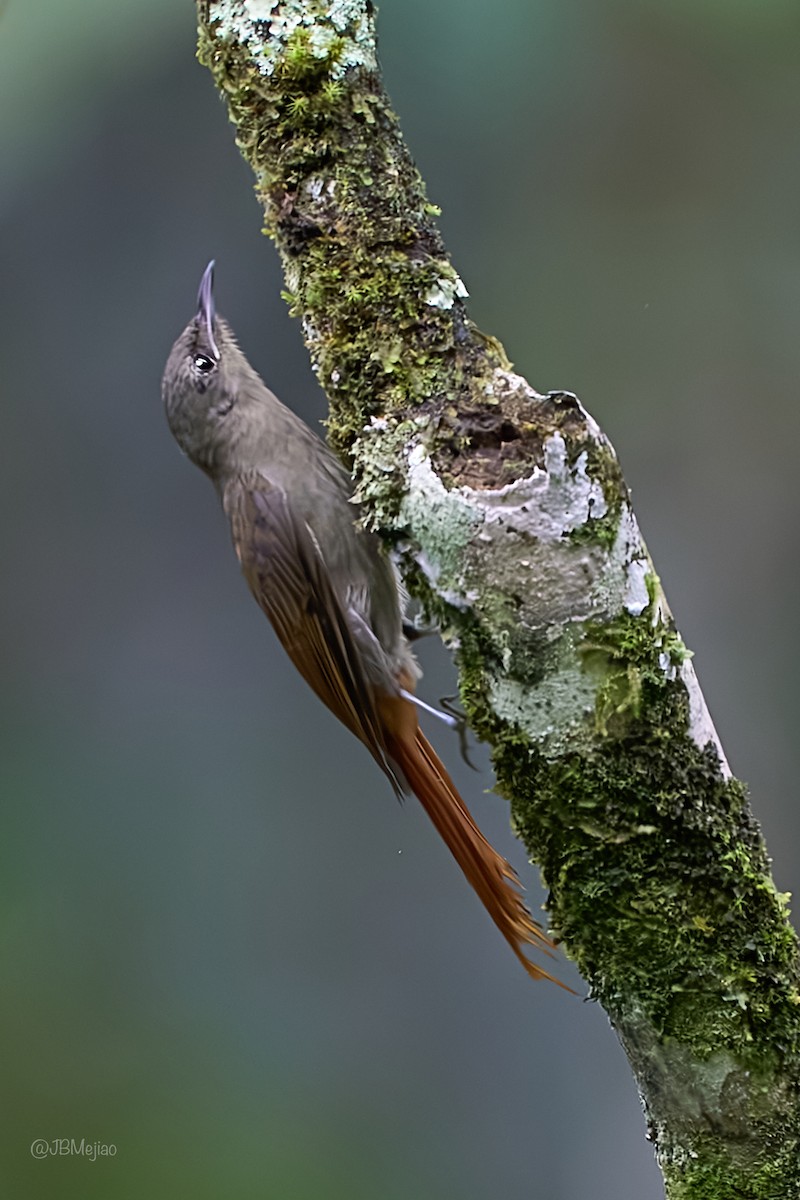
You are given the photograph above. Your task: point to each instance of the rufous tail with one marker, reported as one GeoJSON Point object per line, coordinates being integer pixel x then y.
{"type": "Point", "coordinates": [490, 875]}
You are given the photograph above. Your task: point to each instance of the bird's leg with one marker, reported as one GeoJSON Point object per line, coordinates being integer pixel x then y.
{"type": "Point", "coordinates": [452, 717]}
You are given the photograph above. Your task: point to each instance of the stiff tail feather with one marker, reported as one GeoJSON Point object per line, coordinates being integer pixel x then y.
{"type": "Point", "coordinates": [490, 875]}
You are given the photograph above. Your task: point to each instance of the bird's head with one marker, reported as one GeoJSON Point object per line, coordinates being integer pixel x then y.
{"type": "Point", "coordinates": [201, 382]}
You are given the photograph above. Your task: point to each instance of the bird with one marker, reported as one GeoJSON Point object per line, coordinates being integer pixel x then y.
{"type": "Point", "coordinates": [331, 593]}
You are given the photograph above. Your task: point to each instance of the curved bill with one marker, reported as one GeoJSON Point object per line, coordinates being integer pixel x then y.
{"type": "Point", "coordinates": [206, 309]}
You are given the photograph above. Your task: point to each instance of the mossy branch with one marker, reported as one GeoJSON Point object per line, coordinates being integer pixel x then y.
{"type": "Point", "coordinates": [511, 517]}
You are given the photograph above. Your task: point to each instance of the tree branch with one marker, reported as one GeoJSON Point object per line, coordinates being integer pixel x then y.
{"type": "Point", "coordinates": [513, 523]}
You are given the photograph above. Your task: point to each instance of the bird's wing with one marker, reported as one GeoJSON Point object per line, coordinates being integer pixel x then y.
{"type": "Point", "coordinates": [286, 573]}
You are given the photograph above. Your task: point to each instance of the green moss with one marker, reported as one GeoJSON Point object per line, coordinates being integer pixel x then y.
{"type": "Point", "coordinates": [659, 879]}
{"type": "Point", "coordinates": [597, 531]}
{"type": "Point", "coordinates": [303, 66]}
{"type": "Point", "coordinates": [603, 466]}
{"type": "Point", "coordinates": [623, 655]}
{"type": "Point", "coordinates": [362, 264]}
{"type": "Point", "coordinates": [714, 1176]}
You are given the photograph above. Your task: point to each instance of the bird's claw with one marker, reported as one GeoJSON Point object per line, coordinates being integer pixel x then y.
{"type": "Point", "coordinates": [460, 726]}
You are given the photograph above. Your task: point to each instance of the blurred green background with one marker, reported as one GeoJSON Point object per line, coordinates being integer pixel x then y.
{"type": "Point", "coordinates": [225, 949]}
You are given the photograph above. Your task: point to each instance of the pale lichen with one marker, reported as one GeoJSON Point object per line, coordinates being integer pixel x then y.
{"type": "Point", "coordinates": [444, 292]}
{"type": "Point", "coordinates": [637, 596]}
{"type": "Point", "coordinates": [701, 727]}
{"type": "Point", "coordinates": [557, 713]}
{"type": "Point", "coordinates": [344, 25]}
{"type": "Point", "coordinates": [442, 522]}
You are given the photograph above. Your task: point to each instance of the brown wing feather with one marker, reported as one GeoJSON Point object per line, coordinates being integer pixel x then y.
{"type": "Point", "coordinates": [286, 574]}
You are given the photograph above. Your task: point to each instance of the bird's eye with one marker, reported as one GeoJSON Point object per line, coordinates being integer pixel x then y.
{"type": "Point", "coordinates": [203, 363]}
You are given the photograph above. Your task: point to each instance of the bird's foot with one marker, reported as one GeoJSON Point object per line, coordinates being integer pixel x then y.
{"type": "Point", "coordinates": [458, 722]}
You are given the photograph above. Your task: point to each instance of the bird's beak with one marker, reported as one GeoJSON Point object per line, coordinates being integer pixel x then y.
{"type": "Point", "coordinates": [206, 309]}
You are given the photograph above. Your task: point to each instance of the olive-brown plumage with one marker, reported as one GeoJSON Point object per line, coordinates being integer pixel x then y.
{"type": "Point", "coordinates": [329, 592]}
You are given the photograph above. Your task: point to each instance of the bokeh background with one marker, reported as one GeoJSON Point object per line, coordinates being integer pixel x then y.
{"type": "Point", "coordinates": [225, 949]}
